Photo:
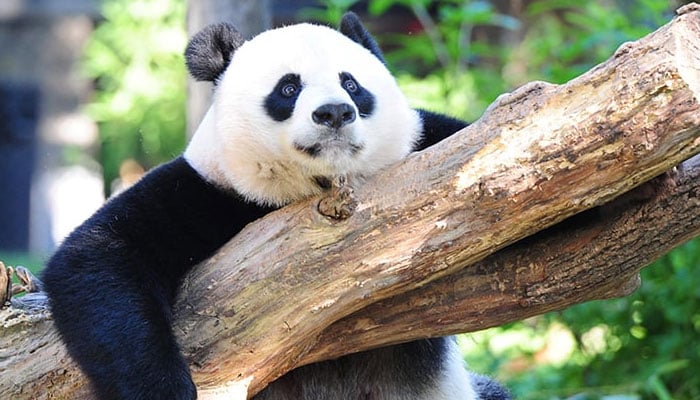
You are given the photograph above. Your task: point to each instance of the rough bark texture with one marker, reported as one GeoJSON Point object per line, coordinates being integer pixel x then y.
{"type": "Point", "coordinates": [297, 287]}
{"type": "Point", "coordinates": [594, 255]}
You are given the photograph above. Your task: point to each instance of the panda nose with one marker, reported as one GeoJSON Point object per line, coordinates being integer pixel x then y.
{"type": "Point", "coordinates": [334, 115]}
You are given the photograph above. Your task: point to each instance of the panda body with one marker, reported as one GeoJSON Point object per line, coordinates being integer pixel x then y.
{"type": "Point", "coordinates": [293, 108]}
{"type": "Point", "coordinates": [427, 369]}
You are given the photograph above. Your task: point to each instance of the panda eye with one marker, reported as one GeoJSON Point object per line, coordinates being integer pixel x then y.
{"type": "Point", "coordinates": [350, 85]}
{"type": "Point", "coordinates": [289, 90]}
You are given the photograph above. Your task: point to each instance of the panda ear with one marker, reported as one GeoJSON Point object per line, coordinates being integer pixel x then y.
{"type": "Point", "coordinates": [210, 51]}
{"type": "Point", "coordinates": [351, 26]}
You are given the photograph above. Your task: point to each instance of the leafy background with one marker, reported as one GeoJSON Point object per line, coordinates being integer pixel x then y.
{"type": "Point", "coordinates": [644, 346]}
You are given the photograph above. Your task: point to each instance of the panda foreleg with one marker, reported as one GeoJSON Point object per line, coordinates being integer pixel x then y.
{"type": "Point", "coordinates": [116, 325]}
{"type": "Point", "coordinates": [112, 282]}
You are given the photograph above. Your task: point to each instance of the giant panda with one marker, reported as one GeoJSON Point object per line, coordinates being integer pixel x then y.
{"type": "Point", "coordinates": [293, 108]}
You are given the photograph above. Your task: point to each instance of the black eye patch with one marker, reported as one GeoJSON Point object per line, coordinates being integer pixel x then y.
{"type": "Point", "coordinates": [363, 98]}
{"type": "Point", "coordinates": [279, 104]}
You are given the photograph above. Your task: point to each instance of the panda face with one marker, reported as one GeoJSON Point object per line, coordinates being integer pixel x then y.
{"type": "Point", "coordinates": [333, 121]}
{"type": "Point", "coordinates": [296, 104]}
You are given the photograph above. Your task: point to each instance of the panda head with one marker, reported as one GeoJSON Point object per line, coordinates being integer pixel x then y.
{"type": "Point", "coordinates": [296, 106]}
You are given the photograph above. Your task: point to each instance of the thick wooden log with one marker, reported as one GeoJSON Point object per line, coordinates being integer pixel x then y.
{"type": "Point", "coordinates": [297, 287]}
{"type": "Point", "coordinates": [594, 255]}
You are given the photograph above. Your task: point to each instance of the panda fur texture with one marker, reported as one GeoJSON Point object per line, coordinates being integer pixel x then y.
{"type": "Point", "coordinates": [293, 107]}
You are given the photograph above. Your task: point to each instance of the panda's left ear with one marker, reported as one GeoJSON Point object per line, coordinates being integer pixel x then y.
{"type": "Point", "coordinates": [351, 26]}
{"type": "Point", "coordinates": [210, 51]}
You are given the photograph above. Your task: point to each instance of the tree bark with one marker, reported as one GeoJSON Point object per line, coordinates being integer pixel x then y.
{"type": "Point", "coordinates": [420, 255]}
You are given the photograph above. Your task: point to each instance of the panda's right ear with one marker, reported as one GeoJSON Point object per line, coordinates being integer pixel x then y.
{"type": "Point", "coordinates": [210, 51]}
{"type": "Point", "coordinates": [351, 26]}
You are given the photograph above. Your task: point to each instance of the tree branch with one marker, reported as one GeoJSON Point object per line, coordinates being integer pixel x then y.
{"type": "Point", "coordinates": [594, 255]}
{"type": "Point", "coordinates": [297, 287]}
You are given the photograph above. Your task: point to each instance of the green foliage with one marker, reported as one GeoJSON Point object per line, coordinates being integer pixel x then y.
{"type": "Point", "coordinates": [438, 60]}
{"type": "Point", "coordinates": [458, 52]}
{"type": "Point", "coordinates": [567, 37]}
{"type": "Point", "coordinates": [135, 57]}
{"type": "Point", "coordinates": [643, 346]}
{"type": "Point", "coordinates": [329, 13]}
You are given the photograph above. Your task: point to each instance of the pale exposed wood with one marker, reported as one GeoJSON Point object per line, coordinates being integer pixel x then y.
{"type": "Point", "coordinates": [297, 287]}
{"type": "Point", "coordinates": [595, 255]}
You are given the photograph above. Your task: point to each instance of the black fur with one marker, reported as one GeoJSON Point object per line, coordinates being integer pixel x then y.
{"type": "Point", "coordinates": [279, 104]}
{"type": "Point", "coordinates": [436, 127]}
{"type": "Point", "coordinates": [210, 51]}
{"type": "Point", "coordinates": [407, 369]}
{"type": "Point", "coordinates": [363, 98]}
{"type": "Point", "coordinates": [334, 115]}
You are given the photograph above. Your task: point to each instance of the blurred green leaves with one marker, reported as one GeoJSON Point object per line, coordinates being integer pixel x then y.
{"type": "Point", "coordinates": [134, 56]}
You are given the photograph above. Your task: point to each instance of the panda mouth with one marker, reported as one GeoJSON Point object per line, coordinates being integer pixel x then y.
{"type": "Point", "coordinates": [312, 151]}
{"type": "Point", "coordinates": [317, 149]}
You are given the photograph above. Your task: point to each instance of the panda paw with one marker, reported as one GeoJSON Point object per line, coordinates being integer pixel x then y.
{"type": "Point", "coordinates": [167, 389]}
{"type": "Point", "coordinates": [148, 377]}
{"type": "Point", "coordinates": [340, 203]}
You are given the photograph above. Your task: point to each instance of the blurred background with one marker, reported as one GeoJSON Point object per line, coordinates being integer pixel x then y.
{"type": "Point", "coordinates": [93, 93]}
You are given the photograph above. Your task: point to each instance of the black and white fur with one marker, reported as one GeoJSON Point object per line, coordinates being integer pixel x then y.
{"type": "Point", "coordinates": [293, 108]}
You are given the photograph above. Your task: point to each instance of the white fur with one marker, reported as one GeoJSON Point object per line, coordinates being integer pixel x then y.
{"type": "Point", "coordinates": [455, 380]}
{"type": "Point", "coordinates": [239, 146]}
